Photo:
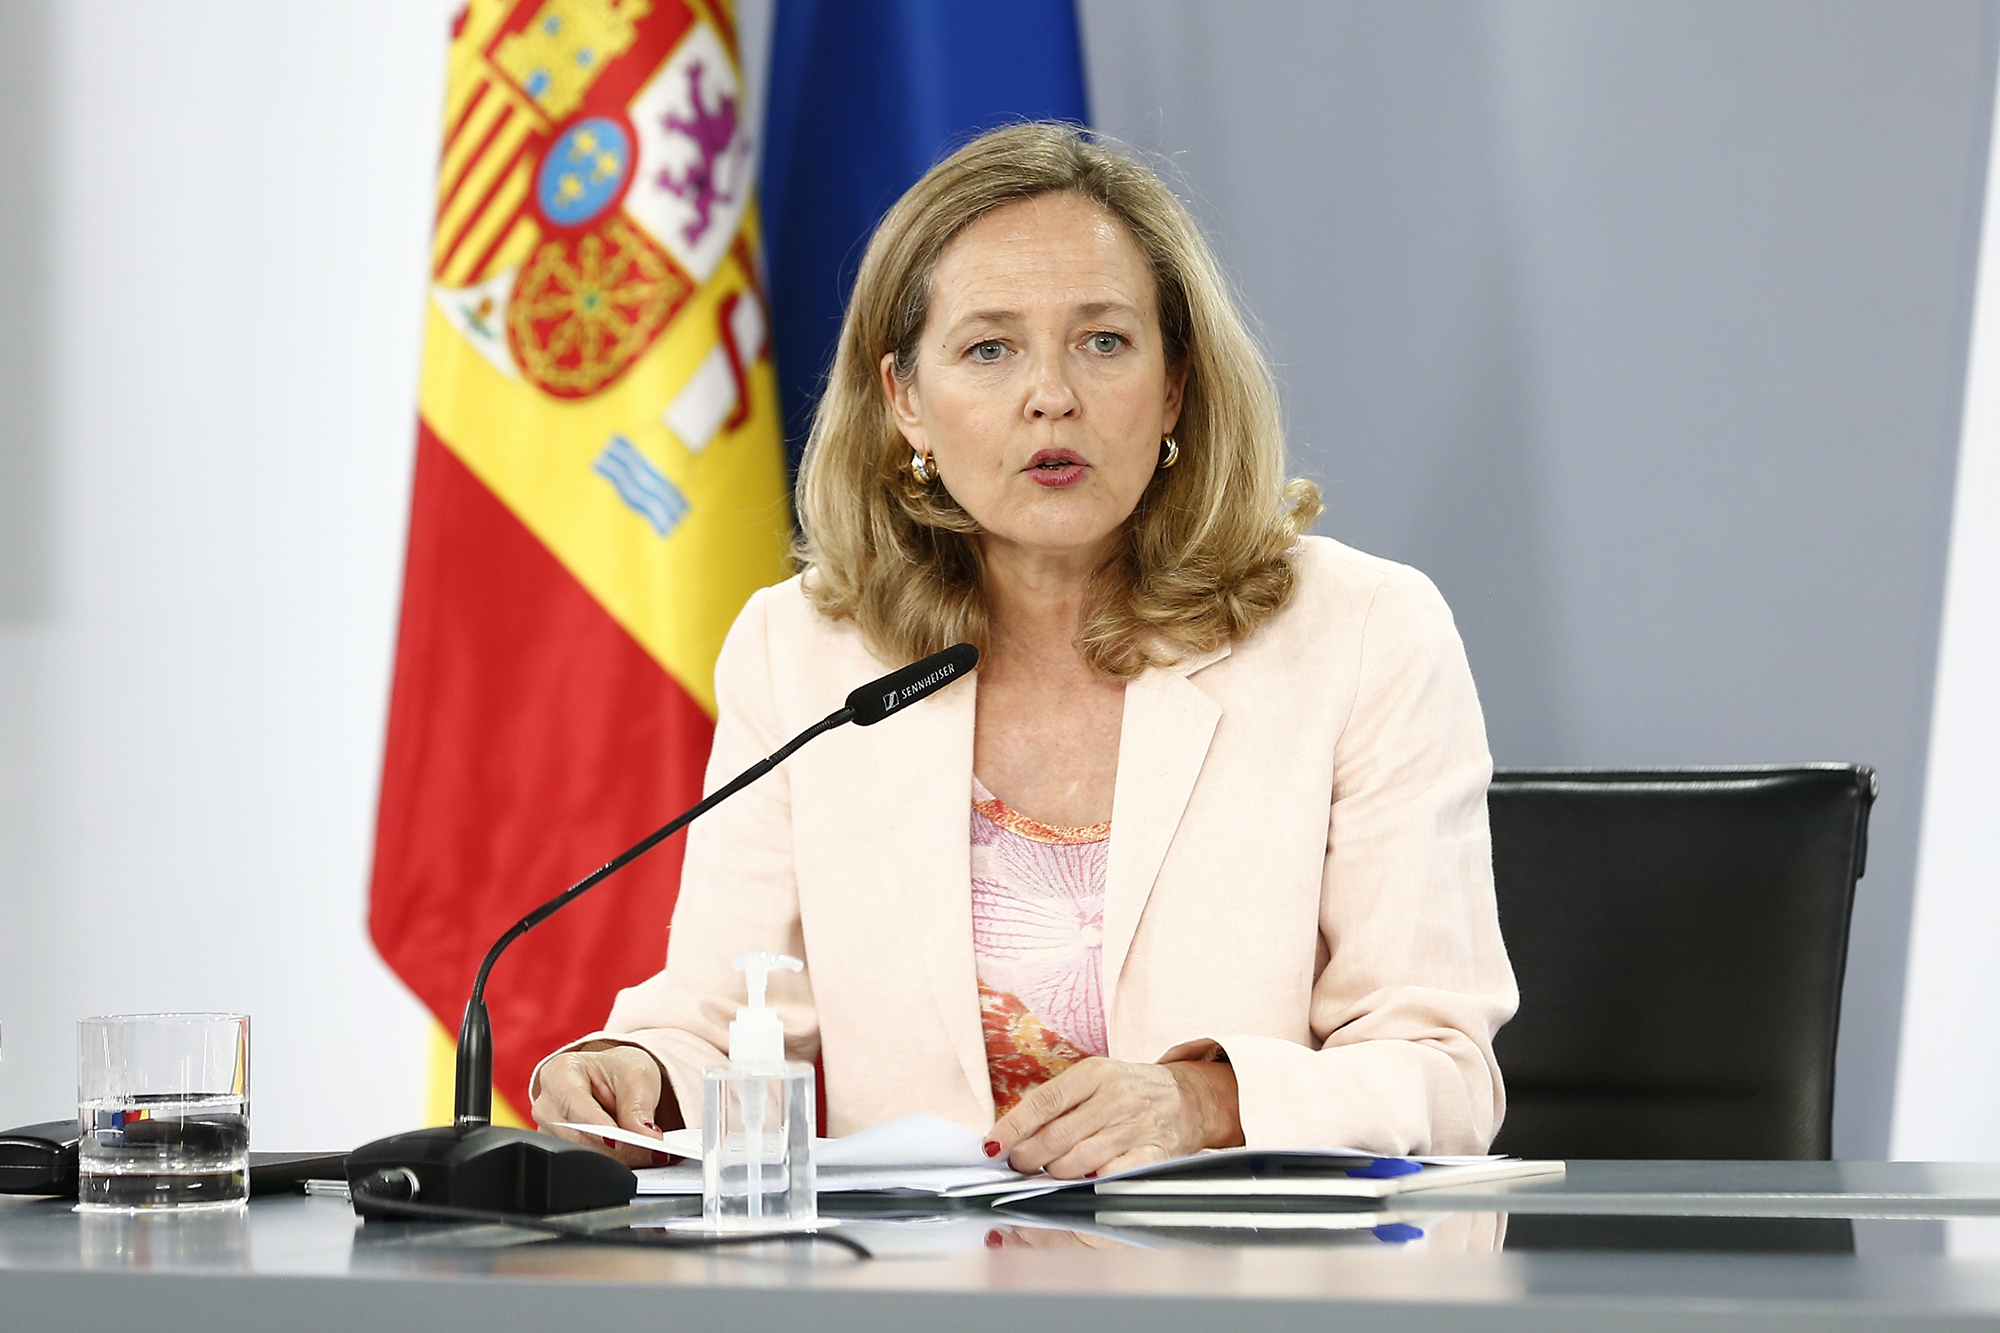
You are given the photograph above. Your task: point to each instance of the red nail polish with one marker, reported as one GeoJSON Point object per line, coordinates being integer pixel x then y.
{"type": "Point", "coordinates": [992, 1148]}
{"type": "Point", "coordinates": [650, 1125]}
{"type": "Point", "coordinates": [994, 1240]}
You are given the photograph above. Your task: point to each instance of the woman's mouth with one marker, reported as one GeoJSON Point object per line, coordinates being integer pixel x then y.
{"type": "Point", "coordinates": [1056, 467]}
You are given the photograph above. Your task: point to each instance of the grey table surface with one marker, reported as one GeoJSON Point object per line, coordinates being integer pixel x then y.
{"type": "Point", "coordinates": [306, 1263]}
{"type": "Point", "coordinates": [1746, 1189]}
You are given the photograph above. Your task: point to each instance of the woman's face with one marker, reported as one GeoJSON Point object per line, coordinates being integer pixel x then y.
{"type": "Point", "coordinates": [1042, 386]}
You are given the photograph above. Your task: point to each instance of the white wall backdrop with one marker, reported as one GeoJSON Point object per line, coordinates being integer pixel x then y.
{"type": "Point", "coordinates": [1948, 1089]}
{"type": "Point", "coordinates": [228, 241]}
{"type": "Point", "coordinates": [1948, 1082]}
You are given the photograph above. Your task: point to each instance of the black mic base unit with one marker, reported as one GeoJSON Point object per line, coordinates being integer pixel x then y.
{"type": "Point", "coordinates": [39, 1159]}
{"type": "Point", "coordinates": [485, 1166]}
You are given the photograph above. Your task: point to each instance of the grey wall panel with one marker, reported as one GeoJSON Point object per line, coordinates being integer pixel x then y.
{"type": "Point", "coordinates": [1641, 328]}
{"type": "Point", "coordinates": [26, 483]}
{"type": "Point", "coordinates": [25, 317]}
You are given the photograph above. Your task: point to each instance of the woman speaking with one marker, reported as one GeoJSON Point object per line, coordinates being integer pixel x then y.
{"type": "Point", "coordinates": [1198, 855]}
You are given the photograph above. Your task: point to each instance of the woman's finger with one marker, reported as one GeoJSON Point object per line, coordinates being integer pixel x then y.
{"type": "Point", "coordinates": [635, 1090]}
{"type": "Point", "coordinates": [584, 1088]}
{"type": "Point", "coordinates": [565, 1092]}
{"type": "Point", "coordinates": [1072, 1145]}
{"type": "Point", "coordinates": [1041, 1105]}
{"type": "Point", "coordinates": [1117, 1109]}
{"type": "Point", "coordinates": [1107, 1108]}
{"type": "Point", "coordinates": [1117, 1138]}
{"type": "Point", "coordinates": [1087, 1156]}
{"type": "Point", "coordinates": [626, 1082]}
{"type": "Point", "coordinates": [1144, 1154]}
{"type": "Point", "coordinates": [553, 1114]}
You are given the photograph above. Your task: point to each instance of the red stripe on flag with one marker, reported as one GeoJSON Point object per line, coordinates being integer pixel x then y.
{"type": "Point", "coordinates": [530, 739]}
{"type": "Point", "coordinates": [472, 161]}
{"type": "Point", "coordinates": [472, 219]}
{"type": "Point", "coordinates": [479, 271]}
{"type": "Point", "coordinates": [465, 114]}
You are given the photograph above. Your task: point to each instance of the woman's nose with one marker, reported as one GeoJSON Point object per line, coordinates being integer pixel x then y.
{"type": "Point", "coordinates": [1050, 394]}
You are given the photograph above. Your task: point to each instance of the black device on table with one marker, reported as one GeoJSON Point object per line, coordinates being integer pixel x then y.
{"type": "Point", "coordinates": [41, 1159]}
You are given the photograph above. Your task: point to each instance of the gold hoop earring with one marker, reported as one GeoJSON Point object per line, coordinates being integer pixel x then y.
{"type": "Point", "coordinates": [920, 467]}
{"type": "Point", "coordinates": [1173, 453]}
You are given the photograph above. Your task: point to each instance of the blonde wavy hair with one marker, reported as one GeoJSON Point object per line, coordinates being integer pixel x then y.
{"type": "Point", "coordinates": [1203, 557]}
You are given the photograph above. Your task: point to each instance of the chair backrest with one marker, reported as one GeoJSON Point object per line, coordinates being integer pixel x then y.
{"type": "Point", "coordinates": [1680, 936]}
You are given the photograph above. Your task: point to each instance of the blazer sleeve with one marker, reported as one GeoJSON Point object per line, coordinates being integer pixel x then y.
{"type": "Point", "coordinates": [738, 892]}
{"type": "Point", "coordinates": [1415, 978]}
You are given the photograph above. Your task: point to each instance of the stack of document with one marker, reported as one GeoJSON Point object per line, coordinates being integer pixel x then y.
{"type": "Point", "coordinates": [1251, 1173]}
{"type": "Point", "coordinates": [919, 1154]}
{"type": "Point", "coordinates": [928, 1156]}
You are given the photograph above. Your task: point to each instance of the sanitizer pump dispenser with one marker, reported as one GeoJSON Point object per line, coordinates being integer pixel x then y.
{"type": "Point", "coordinates": [757, 1119]}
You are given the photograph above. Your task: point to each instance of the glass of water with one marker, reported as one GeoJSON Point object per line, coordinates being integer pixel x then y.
{"type": "Point", "coordinates": [163, 1111]}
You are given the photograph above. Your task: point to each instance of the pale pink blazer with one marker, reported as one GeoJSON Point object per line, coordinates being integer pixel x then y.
{"type": "Point", "coordinates": [1299, 875]}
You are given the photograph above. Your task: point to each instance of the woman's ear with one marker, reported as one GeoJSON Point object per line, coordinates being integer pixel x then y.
{"type": "Point", "coordinates": [1176, 390]}
{"type": "Point", "coordinates": [903, 403]}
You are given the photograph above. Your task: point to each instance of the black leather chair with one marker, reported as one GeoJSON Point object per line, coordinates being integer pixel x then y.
{"type": "Point", "coordinates": [1680, 936]}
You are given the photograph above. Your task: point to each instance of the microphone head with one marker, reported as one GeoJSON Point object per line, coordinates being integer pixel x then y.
{"type": "Point", "coordinates": [899, 689]}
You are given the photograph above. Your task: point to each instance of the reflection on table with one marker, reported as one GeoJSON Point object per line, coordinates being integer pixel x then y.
{"type": "Point", "coordinates": [1810, 1240]}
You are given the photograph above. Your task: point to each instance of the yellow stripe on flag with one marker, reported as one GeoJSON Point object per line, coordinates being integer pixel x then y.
{"type": "Point", "coordinates": [677, 595]}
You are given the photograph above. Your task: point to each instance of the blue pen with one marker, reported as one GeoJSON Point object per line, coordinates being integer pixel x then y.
{"type": "Point", "coordinates": [1397, 1233]}
{"type": "Point", "coordinates": [1387, 1168]}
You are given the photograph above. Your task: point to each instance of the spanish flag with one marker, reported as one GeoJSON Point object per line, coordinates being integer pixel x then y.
{"type": "Point", "coordinates": [600, 484]}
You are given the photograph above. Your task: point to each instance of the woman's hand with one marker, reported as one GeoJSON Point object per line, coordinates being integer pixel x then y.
{"type": "Point", "coordinates": [606, 1083]}
{"type": "Point", "coordinates": [1100, 1116]}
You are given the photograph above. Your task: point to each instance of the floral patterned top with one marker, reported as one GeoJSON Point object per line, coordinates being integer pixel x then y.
{"type": "Point", "coordinates": [1038, 940]}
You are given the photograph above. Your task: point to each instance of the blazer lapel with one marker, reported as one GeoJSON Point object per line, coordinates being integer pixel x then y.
{"type": "Point", "coordinates": [1162, 744]}
{"type": "Point", "coordinates": [926, 764]}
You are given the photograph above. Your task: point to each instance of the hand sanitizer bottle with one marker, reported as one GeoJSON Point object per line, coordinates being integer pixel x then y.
{"type": "Point", "coordinates": [757, 1119]}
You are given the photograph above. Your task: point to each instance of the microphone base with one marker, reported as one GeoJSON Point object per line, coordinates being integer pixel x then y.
{"type": "Point", "coordinates": [486, 1166]}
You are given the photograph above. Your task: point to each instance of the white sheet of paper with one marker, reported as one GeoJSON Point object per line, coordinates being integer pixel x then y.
{"type": "Point", "coordinates": [679, 1142]}
{"type": "Point", "coordinates": [914, 1141]}
{"type": "Point", "coordinates": [939, 1181]}
{"type": "Point", "coordinates": [921, 1153]}
{"type": "Point", "coordinates": [1039, 1184]}
{"type": "Point", "coordinates": [1460, 1161]}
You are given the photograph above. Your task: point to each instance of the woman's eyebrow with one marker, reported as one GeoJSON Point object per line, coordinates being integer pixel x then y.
{"type": "Point", "coordinates": [986, 317]}
{"type": "Point", "coordinates": [1089, 310]}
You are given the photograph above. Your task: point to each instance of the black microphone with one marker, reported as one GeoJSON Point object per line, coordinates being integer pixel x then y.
{"type": "Point", "coordinates": [473, 1164]}
{"type": "Point", "coordinates": [899, 689]}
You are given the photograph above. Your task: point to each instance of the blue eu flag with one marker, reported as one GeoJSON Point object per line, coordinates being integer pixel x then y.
{"type": "Point", "coordinates": [865, 96]}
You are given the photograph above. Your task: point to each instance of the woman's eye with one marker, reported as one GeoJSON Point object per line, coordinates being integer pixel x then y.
{"type": "Point", "coordinates": [1105, 343]}
{"type": "Point", "coordinates": [988, 351]}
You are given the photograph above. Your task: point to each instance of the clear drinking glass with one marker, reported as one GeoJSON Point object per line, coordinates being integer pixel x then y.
{"type": "Point", "coordinates": [163, 1111]}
